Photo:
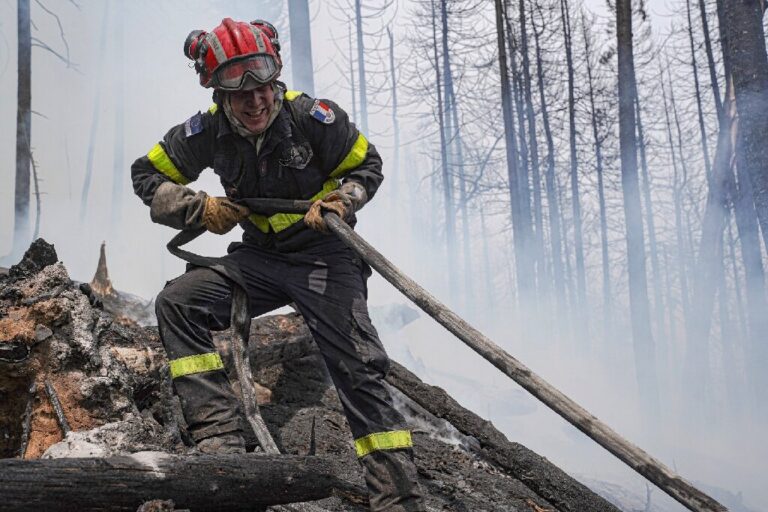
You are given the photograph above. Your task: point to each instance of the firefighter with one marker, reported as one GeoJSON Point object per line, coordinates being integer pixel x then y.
{"type": "Point", "coordinates": [264, 141]}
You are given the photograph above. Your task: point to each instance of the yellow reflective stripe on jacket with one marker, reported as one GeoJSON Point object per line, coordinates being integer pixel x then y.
{"type": "Point", "coordinates": [383, 441]}
{"type": "Point", "coordinates": [355, 157]}
{"type": "Point", "coordinates": [195, 364]}
{"type": "Point", "coordinates": [292, 95]}
{"type": "Point", "coordinates": [213, 108]}
{"type": "Point", "coordinates": [162, 162]}
{"type": "Point", "coordinates": [281, 221]}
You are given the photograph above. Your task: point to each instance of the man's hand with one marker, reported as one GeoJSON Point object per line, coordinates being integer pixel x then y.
{"type": "Point", "coordinates": [337, 202]}
{"type": "Point", "coordinates": [221, 214]}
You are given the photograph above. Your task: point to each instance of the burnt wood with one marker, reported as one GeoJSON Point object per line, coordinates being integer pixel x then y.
{"type": "Point", "coordinates": [202, 483]}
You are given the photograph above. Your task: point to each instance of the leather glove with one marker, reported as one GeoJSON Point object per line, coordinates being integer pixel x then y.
{"type": "Point", "coordinates": [344, 202]}
{"type": "Point", "coordinates": [221, 215]}
{"type": "Point", "coordinates": [177, 206]}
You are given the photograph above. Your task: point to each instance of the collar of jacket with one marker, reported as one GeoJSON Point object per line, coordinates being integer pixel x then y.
{"type": "Point", "coordinates": [280, 128]}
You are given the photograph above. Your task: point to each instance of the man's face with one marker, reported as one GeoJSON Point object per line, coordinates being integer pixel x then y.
{"type": "Point", "coordinates": [253, 107]}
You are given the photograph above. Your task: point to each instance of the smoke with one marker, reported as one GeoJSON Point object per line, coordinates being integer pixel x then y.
{"type": "Point", "coordinates": [160, 90]}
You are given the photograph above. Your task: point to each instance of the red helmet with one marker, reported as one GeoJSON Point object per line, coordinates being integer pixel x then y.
{"type": "Point", "coordinates": [234, 51]}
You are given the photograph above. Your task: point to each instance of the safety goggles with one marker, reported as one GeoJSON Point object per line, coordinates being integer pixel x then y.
{"type": "Point", "coordinates": [232, 75]}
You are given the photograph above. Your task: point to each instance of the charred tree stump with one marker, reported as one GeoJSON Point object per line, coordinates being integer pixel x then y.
{"type": "Point", "coordinates": [203, 483]}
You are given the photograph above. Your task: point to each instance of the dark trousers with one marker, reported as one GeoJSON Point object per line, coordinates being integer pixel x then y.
{"type": "Point", "coordinates": [327, 282]}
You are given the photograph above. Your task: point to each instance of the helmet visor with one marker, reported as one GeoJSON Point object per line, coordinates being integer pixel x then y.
{"type": "Point", "coordinates": [232, 75]}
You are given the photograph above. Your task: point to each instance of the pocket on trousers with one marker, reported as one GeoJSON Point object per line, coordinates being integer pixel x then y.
{"type": "Point", "coordinates": [366, 338]}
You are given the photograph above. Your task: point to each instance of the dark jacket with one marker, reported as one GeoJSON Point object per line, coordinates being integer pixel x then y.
{"type": "Point", "coordinates": [308, 148]}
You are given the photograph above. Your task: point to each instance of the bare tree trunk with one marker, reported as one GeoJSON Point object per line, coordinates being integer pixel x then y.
{"type": "Point", "coordinates": [119, 166]}
{"type": "Point", "coordinates": [524, 189]}
{"type": "Point", "coordinates": [742, 321]}
{"type": "Point", "coordinates": [301, 46]}
{"type": "Point", "coordinates": [748, 65]}
{"type": "Point", "coordinates": [23, 131]}
{"type": "Point", "coordinates": [95, 118]}
{"type": "Point", "coordinates": [607, 296]}
{"type": "Point", "coordinates": [710, 58]}
{"type": "Point", "coordinates": [578, 245]}
{"type": "Point", "coordinates": [394, 188]}
{"type": "Point", "coordinates": [361, 67]}
{"type": "Point", "coordinates": [658, 303]}
{"type": "Point", "coordinates": [696, 373]}
{"type": "Point", "coordinates": [447, 182]}
{"type": "Point", "coordinates": [702, 128]}
{"type": "Point", "coordinates": [555, 218]}
{"type": "Point", "coordinates": [671, 313]}
{"type": "Point", "coordinates": [638, 289]}
{"type": "Point", "coordinates": [490, 295]}
{"type": "Point", "coordinates": [523, 260]}
{"type": "Point", "coordinates": [352, 75]}
{"type": "Point", "coordinates": [452, 138]}
{"type": "Point", "coordinates": [544, 283]}
{"type": "Point", "coordinates": [678, 186]}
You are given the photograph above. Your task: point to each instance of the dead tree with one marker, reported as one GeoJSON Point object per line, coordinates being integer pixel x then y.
{"type": "Point", "coordinates": [578, 239]}
{"type": "Point", "coordinates": [301, 46]}
{"type": "Point", "coordinates": [23, 129]}
{"type": "Point", "coordinates": [638, 288]}
{"type": "Point", "coordinates": [554, 213]}
{"type": "Point", "coordinates": [598, 142]}
{"type": "Point", "coordinates": [521, 230]}
{"type": "Point", "coordinates": [748, 66]}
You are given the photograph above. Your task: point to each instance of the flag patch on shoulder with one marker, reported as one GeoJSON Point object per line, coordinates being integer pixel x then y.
{"type": "Point", "coordinates": [322, 112]}
{"type": "Point", "coordinates": [193, 125]}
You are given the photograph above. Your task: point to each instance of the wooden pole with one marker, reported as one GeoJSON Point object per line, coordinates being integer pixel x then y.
{"type": "Point", "coordinates": [633, 456]}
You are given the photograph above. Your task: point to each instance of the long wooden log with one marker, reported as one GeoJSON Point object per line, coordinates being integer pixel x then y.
{"type": "Point", "coordinates": [633, 456]}
{"type": "Point", "coordinates": [201, 483]}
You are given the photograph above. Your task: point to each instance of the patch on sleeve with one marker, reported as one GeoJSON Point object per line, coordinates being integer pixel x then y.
{"type": "Point", "coordinates": [322, 112]}
{"type": "Point", "coordinates": [193, 125]}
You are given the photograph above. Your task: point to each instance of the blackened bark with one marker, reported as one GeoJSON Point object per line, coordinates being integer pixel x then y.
{"type": "Point", "coordinates": [222, 482]}
{"type": "Point", "coordinates": [119, 166]}
{"type": "Point", "coordinates": [555, 226]}
{"type": "Point", "coordinates": [607, 296]}
{"type": "Point", "coordinates": [645, 363]}
{"type": "Point", "coordinates": [523, 261]}
{"type": "Point", "coordinates": [651, 224]}
{"type": "Point", "coordinates": [710, 57]}
{"type": "Point", "coordinates": [699, 109]}
{"type": "Point", "coordinates": [578, 240]}
{"type": "Point", "coordinates": [23, 130]}
{"type": "Point", "coordinates": [748, 65]}
{"type": "Point", "coordinates": [447, 182]}
{"type": "Point", "coordinates": [543, 280]}
{"type": "Point", "coordinates": [361, 67]}
{"type": "Point", "coordinates": [394, 189]}
{"type": "Point", "coordinates": [301, 46]}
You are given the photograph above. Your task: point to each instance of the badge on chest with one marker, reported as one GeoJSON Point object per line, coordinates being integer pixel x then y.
{"type": "Point", "coordinates": [296, 156]}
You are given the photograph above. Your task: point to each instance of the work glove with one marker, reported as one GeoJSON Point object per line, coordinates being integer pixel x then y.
{"type": "Point", "coordinates": [344, 202]}
{"type": "Point", "coordinates": [221, 215]}
{"type": "Point", "coordinates": [177, 206]}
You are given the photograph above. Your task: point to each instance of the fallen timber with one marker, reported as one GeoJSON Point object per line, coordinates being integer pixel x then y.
{"type": "Point", "coordinates": [202, 483]}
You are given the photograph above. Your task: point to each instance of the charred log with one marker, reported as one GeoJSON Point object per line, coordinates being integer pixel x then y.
{"type": "Point", "coordinates": [224, 482]}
